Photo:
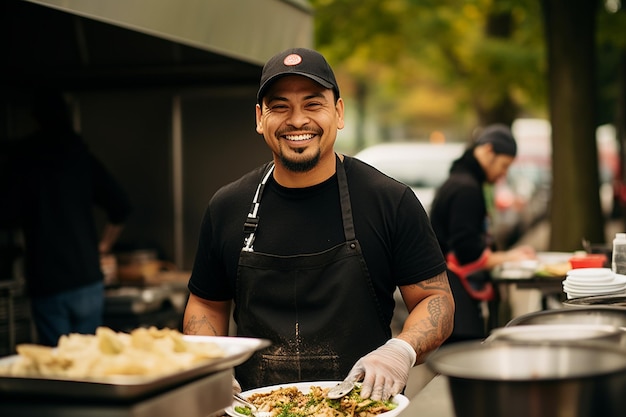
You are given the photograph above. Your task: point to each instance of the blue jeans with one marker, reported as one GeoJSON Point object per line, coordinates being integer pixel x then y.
{"type": "Point", "coordinates": [75, 311]}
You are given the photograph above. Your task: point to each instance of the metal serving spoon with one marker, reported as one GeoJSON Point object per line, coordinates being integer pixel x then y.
{"type": "Point", "coordinates": [340, 390]}
{"type": "Point", "coordinates": [252, 407]}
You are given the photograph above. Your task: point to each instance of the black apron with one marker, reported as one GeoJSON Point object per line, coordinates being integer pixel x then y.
{"type": "Point", "coordinates": [319, 310]}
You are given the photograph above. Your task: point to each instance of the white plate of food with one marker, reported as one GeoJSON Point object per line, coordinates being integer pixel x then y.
{"type": "Point", "coordinates": [277, 394]}
{"type": "Point", "coordinates": [518, 269]}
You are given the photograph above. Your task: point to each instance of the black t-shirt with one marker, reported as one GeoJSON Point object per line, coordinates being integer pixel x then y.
{"type": "Point", "coordinates": [459, 212]}
{"type": "Point", "coordinates": [391, 225]}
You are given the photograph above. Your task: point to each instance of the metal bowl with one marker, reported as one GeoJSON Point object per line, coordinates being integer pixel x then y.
{"type": "Point", "coordinates": [605, 315]}
{"type": "Point", "coordinates": [516, 379]}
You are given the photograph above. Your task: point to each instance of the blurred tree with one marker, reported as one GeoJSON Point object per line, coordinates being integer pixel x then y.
{"type": "Point", "coordinates": [575, 210]}
{"type": "Point", "coordinates": [580, 87]}
{"type": "Point", "coordinates": [611, 81]}
{"type": "Point", "coordinates": [425, 64]}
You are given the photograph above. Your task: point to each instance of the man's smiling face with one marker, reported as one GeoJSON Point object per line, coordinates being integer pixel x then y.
{"type": "Point", "coordinates": [299, 120]}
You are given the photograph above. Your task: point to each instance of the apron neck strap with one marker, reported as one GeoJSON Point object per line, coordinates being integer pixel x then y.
{"type": "Point", "coordinates": [252, 221]}
{"type": "Point", "coordinates": [344, 200]}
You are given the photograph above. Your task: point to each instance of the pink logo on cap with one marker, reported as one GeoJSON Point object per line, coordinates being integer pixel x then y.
{"type": "Point", "coordinates": [292, 60]}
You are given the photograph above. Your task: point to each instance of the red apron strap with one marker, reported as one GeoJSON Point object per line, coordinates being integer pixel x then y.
{"type": "Point", "coordinates": [487, 293]}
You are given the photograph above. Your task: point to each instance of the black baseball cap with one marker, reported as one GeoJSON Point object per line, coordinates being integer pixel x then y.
{"type": "Point", "coordinates": [298, 61]}
{"type": "Point", "coordinates": [501, 139]}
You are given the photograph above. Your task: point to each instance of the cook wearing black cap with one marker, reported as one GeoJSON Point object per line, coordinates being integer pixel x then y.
{"type": "Point", "coordinates": [311, 247]}
{"type": "Point", "coordinates": [460, 218]}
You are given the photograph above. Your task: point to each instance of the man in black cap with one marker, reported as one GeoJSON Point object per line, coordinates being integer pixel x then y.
{"type": "Point", "coordinates": [460, 219]}
{"type": "Point", "coordinates": [311, 247]}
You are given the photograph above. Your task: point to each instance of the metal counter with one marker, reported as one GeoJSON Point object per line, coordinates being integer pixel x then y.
{"type": "Point", "coordinates": [199, 398]}
{"type": "Point", "coordinates": [434, 400]}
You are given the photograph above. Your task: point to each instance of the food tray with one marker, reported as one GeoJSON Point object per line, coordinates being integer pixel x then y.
{"type": "Point", "coordinates": [237, 350]}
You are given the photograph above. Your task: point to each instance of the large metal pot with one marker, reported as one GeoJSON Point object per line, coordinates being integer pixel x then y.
{"type": "Point", "coordinates": [514, 379]}
{"type": "Point", "coordinates": [586, 315]}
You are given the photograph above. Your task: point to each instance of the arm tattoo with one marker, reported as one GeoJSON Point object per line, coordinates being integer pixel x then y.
{"type": "Point", "coordinates": [438, 282]}
{"type": "Point", "coordinates": [195, 326]}
{"type": "Point", "coordinates": [434, 311]}
{"type": "Point", "coordinates": [438, 323]}
{"type": "Point", "coordinates": [436, 308]}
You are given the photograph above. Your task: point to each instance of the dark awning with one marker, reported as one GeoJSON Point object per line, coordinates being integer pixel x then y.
{"type": "Point", "coordinates": [249, 30]}
{"type": "Point", "coordinates": [95, 43]}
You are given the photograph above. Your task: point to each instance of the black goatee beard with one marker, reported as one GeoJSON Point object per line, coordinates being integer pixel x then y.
{"type": "Point", "coordinates": [300, 166]}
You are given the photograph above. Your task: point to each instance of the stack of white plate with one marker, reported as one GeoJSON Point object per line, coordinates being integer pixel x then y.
{"type": "Point", "coordinates": [585, 282]}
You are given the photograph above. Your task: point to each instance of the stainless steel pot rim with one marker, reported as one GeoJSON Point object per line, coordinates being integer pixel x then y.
{"type": "Point", "coordinates": [619, 312]}
{"type": "Point", "coordinates": [439, 363]}
{"type": "Point", "coordinates": [559, 331]}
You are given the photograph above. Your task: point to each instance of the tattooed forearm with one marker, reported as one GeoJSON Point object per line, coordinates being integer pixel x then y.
{"type": "Point", "coordinates": [431, 317]}
{"type": "Point", "coordinates": [198, 326]}
{"type": "Point", "coordinates": [434, 311]}
{"type": "Point", "coordinates": [441, 315]}
{"type": "Point", "coordinates": [433, 328]}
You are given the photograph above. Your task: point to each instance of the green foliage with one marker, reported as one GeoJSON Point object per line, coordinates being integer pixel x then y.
{"type": "Point", "coordinates": [432, 62]}
{"type": "Point", "coordinates": [456, 63]}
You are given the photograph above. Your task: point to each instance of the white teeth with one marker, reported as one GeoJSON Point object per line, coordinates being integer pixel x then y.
{"type": "Point", "coordinates": [299, 137]}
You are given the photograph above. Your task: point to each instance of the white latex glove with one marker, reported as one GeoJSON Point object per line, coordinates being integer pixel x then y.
{"type": "Point", "coordinates": [385, 370]}
{"type": "Point", "coordinates": [236, 386]}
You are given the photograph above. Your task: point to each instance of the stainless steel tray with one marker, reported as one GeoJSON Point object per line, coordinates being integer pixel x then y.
{"type": "Point", "coordinates": [238, 350]}
{"type": "Point", "coordinates": [201, 397]}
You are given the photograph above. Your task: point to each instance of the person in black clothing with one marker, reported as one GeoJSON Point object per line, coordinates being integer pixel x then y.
{"type": "Point", "coordinates": [55, 182]}
{"type": "Point", "coordinates": [311, 246]}
{"type": "Point", "coordinates": [459, 217]}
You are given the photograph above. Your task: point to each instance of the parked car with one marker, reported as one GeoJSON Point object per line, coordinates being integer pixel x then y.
{"type": "Point", "coordinates": [423, 166]}
{"type": "Point", "coordinates": [521, 198]}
